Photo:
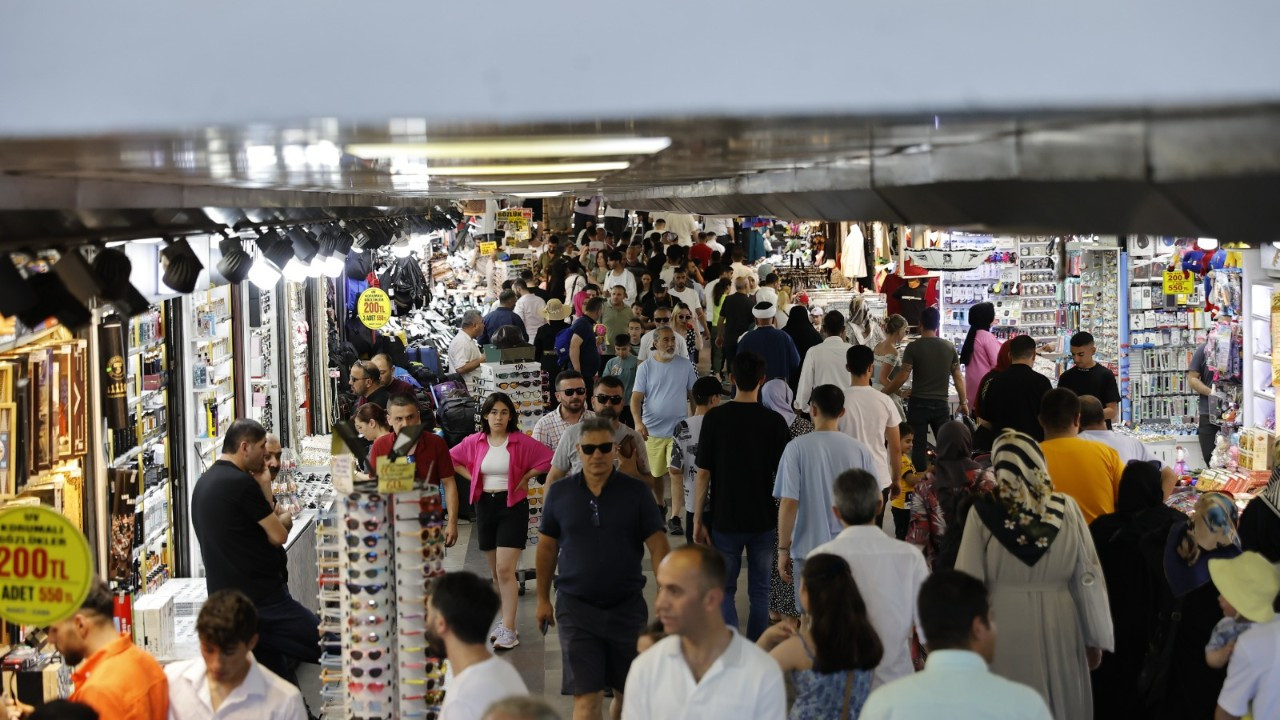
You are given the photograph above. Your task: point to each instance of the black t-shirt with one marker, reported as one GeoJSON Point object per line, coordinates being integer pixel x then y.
{"type": "Point", "coordinates": [226, 507]}
{"type": "Point", "coordinates": [544, 346]}
{"type": "Point", "coordinates": [650, 304]}
{"type": "Point", "coordinates": [911, 302]}
{"type": "Point", "coordinates": [1097, 381]}
{"type": "Point", "coordinates": [740, 444]}
{"type": "Point", "coordinates": [540, 293]}
{"type": "Point", "coordinates": [588, 355]}
{"type": "Point", "coordinates": [737, 316]}
{"type": "Point", "coordinates": [380, 396]}
{"type": "Point", "coordinates": [1013, 400]}
{"type": "Point", "coordinates": [600, 560]}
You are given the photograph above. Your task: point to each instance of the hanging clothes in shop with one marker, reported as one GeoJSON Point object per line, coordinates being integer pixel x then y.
{"type": "Point", "coordinates": [853, 254]}
{"type": "Point", "coordinates": [356, 274]}
{"type": "Point", "coordinates": [755, 245]}
{"type": "Point", "coordinates": [403, 280]}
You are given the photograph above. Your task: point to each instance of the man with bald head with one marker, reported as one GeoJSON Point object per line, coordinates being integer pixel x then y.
{"type": "Point", "coordinates": [387, 376]}
{"type": "Point", "coordinates": [673, 678]}
{"type": "Point", "coordinates": [1093, 426]}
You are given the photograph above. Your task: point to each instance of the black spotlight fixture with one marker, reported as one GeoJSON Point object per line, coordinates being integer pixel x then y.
{"type": "Point", "coordinates": [113, 269]}
{"type": "Point", "coordinates": [276, 254]}
{"type": "Point", "coordinates": [235, 263]}
{"type": "Point", "coordinates": [54, 300]}
{"type": "Point", "coordinates": [15, 297]}
{"type": "Point", "coordinates": [181, 266]}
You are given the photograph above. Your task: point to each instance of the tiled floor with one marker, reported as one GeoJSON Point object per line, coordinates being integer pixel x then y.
{"type": "Point", "coordinates": [537, 658]}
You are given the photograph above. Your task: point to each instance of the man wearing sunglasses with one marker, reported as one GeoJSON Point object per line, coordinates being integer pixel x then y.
{"type": "Point", "coordinates": [662, 318]}
{"type": "Point", "coordinates": [595, 527]}
{"type": "Point", "coordinates": [571, 392]}
{"type": "Point", "coordinates": [607, 403]}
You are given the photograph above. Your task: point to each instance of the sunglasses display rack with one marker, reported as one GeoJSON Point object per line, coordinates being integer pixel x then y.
{"type": "Point", "coordinates": [419, 557]}
{"type": "Point", "coordinates": [524, 383]}
{"type": "Point", "coordinates": [331, 554]}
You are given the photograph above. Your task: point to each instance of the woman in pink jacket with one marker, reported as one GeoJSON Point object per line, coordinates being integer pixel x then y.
{"type": "Point", "coordinates": [499, 461]}
{"type": "Point", "coordinates": [980, 348]}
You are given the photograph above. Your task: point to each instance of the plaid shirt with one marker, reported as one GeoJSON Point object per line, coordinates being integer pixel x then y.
{"type": "Point", "coordinates": [550, 428]}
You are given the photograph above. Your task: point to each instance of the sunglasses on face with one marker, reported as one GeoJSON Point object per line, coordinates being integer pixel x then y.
{"type": "Point", "coordinates": [610, 399]}
{"type": "Point", "coordinates": [604, 448]}
{"type": "Point", "coordinates": [662, 319]}
{"type": "Point", "coordinates": [574, 391]}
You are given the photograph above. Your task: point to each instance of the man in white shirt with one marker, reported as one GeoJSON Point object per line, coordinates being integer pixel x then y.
{"type": "Point", "coordinates": [464, 355]}
{"type": "Point", "coordinates": [870, 415]}
{"type": "Point", "coordinates": [722, 227]}
{"type": "Point", "coordinates": [683, 225]}
{"type": "Point", "coordinates": [529, 308]}
{"type": "Point", "coordinates": [740, 266]}
{"type": "Point", "coordinates": [460, 610]}
{"type": "Point", "coordinates": [619, 275]}
{"type": "Point", "coordinates": [955, 615]}
{"type": "Point", "coordinates": [703, 669]}
{"type": "Point", "coordinates": [825, 363]}
{"type": "Point", "coordinates": [661, 318]}
{"type": "Point", "coordinates": [889, 572]}
{"type": "Point", "coordinates": [1093, 426]}
{"type": "Point", "coordinates": [226, 681]}
{"type": "Point", "coordinates": [687, 294]}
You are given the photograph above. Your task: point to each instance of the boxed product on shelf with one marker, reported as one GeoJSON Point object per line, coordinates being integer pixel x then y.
{"type": "Point", "coordinates": [153, 623]}
{"type": "Point", "coordinates": [1256, 445]}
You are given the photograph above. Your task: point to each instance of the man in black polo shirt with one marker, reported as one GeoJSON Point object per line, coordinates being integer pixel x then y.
{"type": "Point", "coordinates": [1087, 377]}
{"type": "Point", "coordinates": [739, 449]}
{"type": "Point", "coordinates": [235, 519]}
{"type": "Point", "coordinates": [595, 526]}
{"type": "Point", "coordinates": [1013, 398]}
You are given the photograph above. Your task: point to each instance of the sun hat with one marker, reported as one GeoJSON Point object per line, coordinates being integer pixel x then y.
{"type": "Point", "coordinates": [1249, 582]}
{"type": "Point", "coordinates": [555, 310]}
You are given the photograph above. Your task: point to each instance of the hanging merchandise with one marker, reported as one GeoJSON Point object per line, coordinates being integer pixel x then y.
{"type": "Point", "coordinates": [1093, 286]}
{"type": "Point", "coordinates": [114, 387]}
{"type": "Point", "coordinates": [212, 376]}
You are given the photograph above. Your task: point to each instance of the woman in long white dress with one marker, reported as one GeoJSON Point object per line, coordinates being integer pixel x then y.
{"type": "Point", "coordinates": [1032, 548]}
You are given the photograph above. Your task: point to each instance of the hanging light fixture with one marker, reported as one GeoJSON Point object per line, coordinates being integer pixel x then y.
{"type": "Point", "coordinates": [333, 247]}
{"type": "Point", "coordinates": [181, 266]}
{"type": "Point", "coordinates": [304, 249]}
{"type": "Point", "coordinates": [236, 264]}
{"type": "Point", "coordinates": [113, 269]}
{"type": "Point", "coordinates": [273, 254]}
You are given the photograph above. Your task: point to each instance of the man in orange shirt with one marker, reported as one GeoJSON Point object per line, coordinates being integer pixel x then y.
{"type": "Point", "coordinates": [114, 677]}
{"type": "Point", "coordinates": [1087, 471]}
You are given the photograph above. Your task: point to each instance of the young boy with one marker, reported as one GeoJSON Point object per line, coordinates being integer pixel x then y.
{"type": "Point", "coordinates": [623, 365]}
{"type": "Point", "coordinates": [1248, 586]}
{"type": "Point", "coordinates": [707, 392]}
{"type": "Point", "coordinates": [900, 505]}
{"type": "Point", "coordinates": [635, 329]}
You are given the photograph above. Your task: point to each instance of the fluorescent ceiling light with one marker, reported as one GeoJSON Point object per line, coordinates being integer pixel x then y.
{"type": "Point", "coordinates": [539, 181]}
{"type": "Point", "coordinates": [522, 148]}
{"type": "Point", "coordinates": [551, 194]}
{"type": "Point", "coordinates": [537, 169]}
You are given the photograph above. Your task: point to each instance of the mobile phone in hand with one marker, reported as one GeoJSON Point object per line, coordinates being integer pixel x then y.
{"type": "Point", "coordinates": [543, 625]}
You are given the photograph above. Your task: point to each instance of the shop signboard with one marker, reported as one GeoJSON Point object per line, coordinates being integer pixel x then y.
{"type": "Point", "coordinates": [489, 248]}
{"type": "Point", "coordinates": [1179, 282]}
{"type": "Point", "coordinates": [45, 566]}
{"type": "Point", "coordinates": [373, 307]}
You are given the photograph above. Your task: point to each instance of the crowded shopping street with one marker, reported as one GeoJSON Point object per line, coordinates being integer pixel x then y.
{"type": "Point", "coordinates": [399, 383]}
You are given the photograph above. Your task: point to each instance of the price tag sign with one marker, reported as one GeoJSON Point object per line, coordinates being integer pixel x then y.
{"type": "Point", "coordinates": [395, 475]}
{"type": "Point", "coordinates": [1179, 282]}
{"type": "Point", "coordinates": [488, 248]}
{"type": "Point", "coordinates": [373, 307]}
{"type": "Point", "coordinates": [45, 566]}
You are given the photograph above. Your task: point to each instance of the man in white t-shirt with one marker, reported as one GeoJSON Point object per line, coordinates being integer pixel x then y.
{"type": "Point", "coordinates": [870, 415]}
{"type": "Point", "coordinates": [687, 294]}
{"type": "Point", "coordinates": [529, 308]}
{"type": "Point", "coordinates": [464, 355]}
{"type": "Point", "coordinates": [703, 668]}
{"type": "Point", "coordinates": [683, 225]}
{"type": "Point", "coordinates": [1093, 426]}
{"type": "Point", "coordinates": [461, 608]}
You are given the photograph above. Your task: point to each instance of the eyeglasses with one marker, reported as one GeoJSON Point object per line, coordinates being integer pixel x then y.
{"type": "Point", "coordinates": [368, 540]}
{"type": "Point", "coordinates": [367, 557]}
{"type": "Point", "coordinates": [355, 620]}
{"type": "Point", "coordinates": [588, 449]}
{"type": "Point", "coordinates": [609, 399]}
{"type": "Point", "coordinates": [595, 512]}
{"type": "Point", "coordinates": [574, 391]}
{"type": "Point", "coordinates": [662, 319]}
{"type": "Point", "coordinates": [370, 525]}
{"type": "Point", "coordinates": [526, 374]}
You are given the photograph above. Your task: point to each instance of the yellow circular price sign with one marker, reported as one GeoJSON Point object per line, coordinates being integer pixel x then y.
{"type": "Point", "coordinates": [373, 307]}
{"type": "Point", "coordinates": [45, 566]}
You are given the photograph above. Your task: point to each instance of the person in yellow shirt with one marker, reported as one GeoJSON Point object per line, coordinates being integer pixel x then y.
{"type": "Point", "coordinates": [900, 506]}
{"type": "Point", "coordinates": [1088, 471]}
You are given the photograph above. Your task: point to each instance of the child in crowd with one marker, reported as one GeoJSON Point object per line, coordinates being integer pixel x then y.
{"type": "Point", "coordinates": [623, 365]}
{"type": "Point", "coordinates": [900, 505]}
{"type": "Point", "coordinates": [1246, 596]}
{"type": "Point", "coordinates": [707, 394]}
{"type": "Point", "coordinates": [635, 329]}
{"type": "Point", "coordinates": [653, 633]}
{"type": "Point", "coordinates": [638, 311]}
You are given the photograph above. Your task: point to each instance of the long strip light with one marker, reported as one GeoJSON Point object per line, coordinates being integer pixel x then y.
{"type": "Point", "coordinates": [539, 181]}
{"type": "Point", "coordinates": [548, 194]}
{"type": "Point", "coordinates": [522, 148]}
{"type": "Point", "coordinates": [531, 169]}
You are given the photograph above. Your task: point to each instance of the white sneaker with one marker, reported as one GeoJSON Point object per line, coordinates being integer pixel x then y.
{"type": "Point", "coordinates": [505, 638]}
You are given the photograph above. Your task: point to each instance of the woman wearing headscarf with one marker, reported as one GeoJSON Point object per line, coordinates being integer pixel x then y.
{"type": "Point", "coordinates": [1260, 521]}
{"type": "Point", "coordinates": [863, 330]}
{"type": "Point", "coordinates": [1032, 548]}
{"type": "Point", "coordinates": [777, 396]}
{"type": "Point", "coordinates": [802, 332]}
{"type": "Point", "coordinates": [978, 355]}
{"type": "Point", "coordinates": [1130, 544]}
{"type": "Point", "coordinates": [942, 499]}
{"type": "Point", "coordinates": [986, 433]}
{"type": "Point", "coordinates": [1175, 681]}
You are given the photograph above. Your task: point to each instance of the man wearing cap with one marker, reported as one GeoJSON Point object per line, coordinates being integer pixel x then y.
{"type": "Point", "coordinates": [529, 308]}
{"type": "Point", "coordinates": [1248, 584]}
{"type": "Point", "coordinates": [658, 298]}
{"type": "Point", "coordinates": [771, 291]}
{"type": "Point", "coordinates": [662, 319]}
{"type": "Point", "coordinates": [782, 360]}
{"type": "Point", "coordinates": [554, 314]}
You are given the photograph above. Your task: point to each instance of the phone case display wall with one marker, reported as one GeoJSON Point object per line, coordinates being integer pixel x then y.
{"type": "Point", "coordinates": [1093, 297]}
{"type": "Point", "coordinates": [299, 373]}
{"type": "Point", "coordinates": [1224, 351]}
{"type": "Point", "coordinates": [140, 492]}
{"type": "Point", "coordinates": [261, 359]}
{"type": "Point", "coordinates": [995, 281]}
{"type": "Point", "coordinates": [44, 418]}
{"type": "Point", "coordinates": [1038, 283]}
{"type": "Point", "coordinates": [378, 553]}
{"type": "Point", "coordinates": [213, 390]}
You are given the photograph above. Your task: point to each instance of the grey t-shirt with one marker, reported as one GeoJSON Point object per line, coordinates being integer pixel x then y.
{"type": "Point", "coordinates": [1199, 365]}
{"type": "Point", "coordinates": [567, 460]}
{"type": "Point", "coordinates": [932, 359]}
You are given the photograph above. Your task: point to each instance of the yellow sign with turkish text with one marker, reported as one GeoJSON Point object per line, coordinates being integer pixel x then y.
{"type": "Point", "coordinates": [373, 307]}
{"type": "Point", "coordinates": [1179, 282]}
{"type": "Point", "coordinates": [488, 248]}
{"type": "Point", "coordinates": [395, 475]}
{"type": "Point", "coordinates": [45, 566]}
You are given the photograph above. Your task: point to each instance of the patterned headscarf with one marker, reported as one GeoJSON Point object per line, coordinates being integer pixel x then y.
{"type": "Point", "coordinates": [1023, 511]}
{"type": "Point", "coordinates": [1212, 527]}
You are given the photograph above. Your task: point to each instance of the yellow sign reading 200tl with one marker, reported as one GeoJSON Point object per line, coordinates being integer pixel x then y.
{"type": "Point", "coordinates": [373, 307]}
{"type": "Point", "coordinates": [45, 566]}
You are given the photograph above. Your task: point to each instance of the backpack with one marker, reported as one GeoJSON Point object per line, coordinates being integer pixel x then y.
{"type": "Point", "coordinates": [563, 339]}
